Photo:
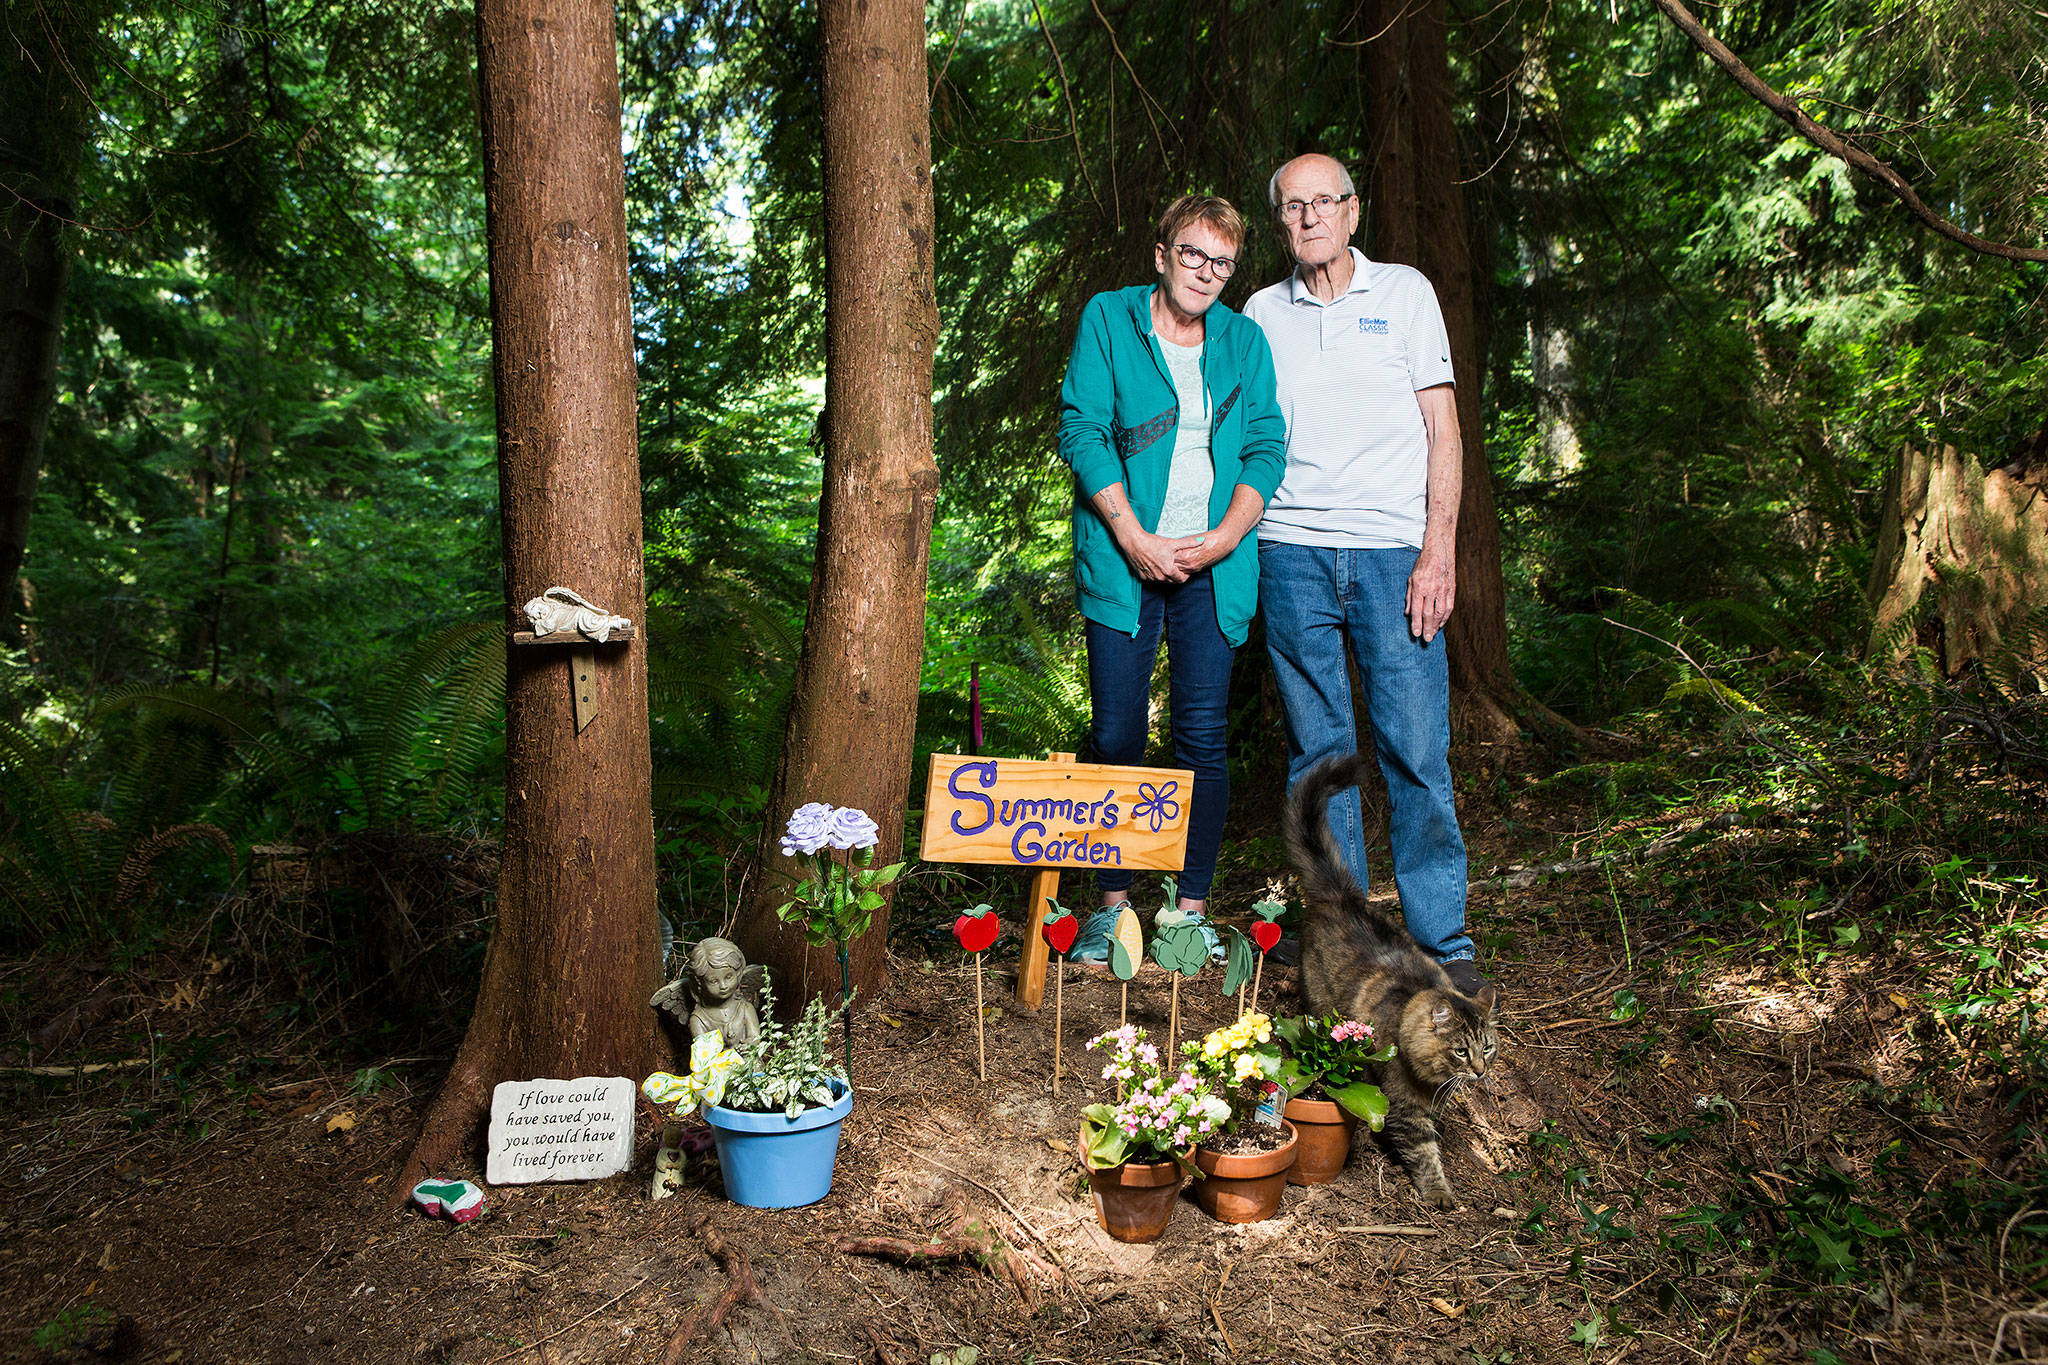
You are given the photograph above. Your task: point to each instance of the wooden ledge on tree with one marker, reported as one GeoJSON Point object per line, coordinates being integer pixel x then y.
{"type": "Point", "coordinates": [619, 635]}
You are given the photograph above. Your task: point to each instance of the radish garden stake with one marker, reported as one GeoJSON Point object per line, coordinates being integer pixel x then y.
{"type": "Point", "coordinates": [976, 930]}
{"type": "Point", "coordinates": [1058, 929]}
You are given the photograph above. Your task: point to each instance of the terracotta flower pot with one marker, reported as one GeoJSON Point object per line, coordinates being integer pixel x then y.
{"type": "Point", "coordinates": [1134, 1200]}
{"type": "Point", "coordinates": [1244, 1189]}
{"type": "Point", "coordinates": [1325, 1128]}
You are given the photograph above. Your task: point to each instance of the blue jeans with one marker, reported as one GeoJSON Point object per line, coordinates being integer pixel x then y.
{"type": "Point", "coordinates": [1198, 690]}
{"type": "Point", "coordinates": [1314, 600]}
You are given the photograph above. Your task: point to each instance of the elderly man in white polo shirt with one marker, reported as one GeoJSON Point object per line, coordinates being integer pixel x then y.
{"type": "Point", "coordinates": [1357, 542]}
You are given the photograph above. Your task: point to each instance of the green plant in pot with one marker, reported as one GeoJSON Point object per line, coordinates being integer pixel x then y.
{"type": "Point", "coordinates": [1136, 1151]}
{"type": "Point", "coordinates": [775, 1107]}
{"type": "Point", "coordinates": [1326, 1075]}
{"type": "Point", "coordinates": [1245, 1163]}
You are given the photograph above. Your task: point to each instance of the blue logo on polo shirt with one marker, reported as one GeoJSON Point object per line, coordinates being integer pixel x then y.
{"type": "Point", "coordinates": [1373, 326]}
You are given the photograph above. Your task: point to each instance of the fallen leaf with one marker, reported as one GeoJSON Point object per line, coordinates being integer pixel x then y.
{"type": "Point", "coordinates": [1901, 1001]}
{"type": "Point", "coordinates": [1447, 1308]}
{"type": "Point", "coordinates": [891, 1020]}
{"type": "Point", "coordinates": [106, 1261]}
{"type": "Point", "coordinates": [991, 1013]}
{"type": "Point", "coordinates": [1059, 1145]}
{"type": "Point", "coordinates": [342, 1122]}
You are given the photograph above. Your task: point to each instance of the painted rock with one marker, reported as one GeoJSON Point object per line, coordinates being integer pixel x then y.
{"type": "Point", "coordinates": [458, 1200]}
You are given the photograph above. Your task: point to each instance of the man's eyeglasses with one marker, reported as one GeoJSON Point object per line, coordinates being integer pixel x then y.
{"type": "Point", "coordinates": [1194, 258]}
{"type": "Point", "coordinates": [1323, 204]}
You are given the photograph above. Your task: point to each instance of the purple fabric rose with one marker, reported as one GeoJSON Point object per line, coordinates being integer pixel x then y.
{"type": "Point", "coordinates": [851, 828]}
{"type": "Point", "coordinates": [810, 829]}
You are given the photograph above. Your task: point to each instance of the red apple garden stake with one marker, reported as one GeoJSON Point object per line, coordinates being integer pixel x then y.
{"type": "Point", "coordinates": [1265, 933]}
{"type": "Point", "coordinates": [976, 929]}
{"type": "Point", "coordinates": [1058, 930]}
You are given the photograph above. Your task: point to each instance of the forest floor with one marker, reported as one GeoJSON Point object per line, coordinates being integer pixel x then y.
{"type": "Point", "coordinates": [1699, 1148]}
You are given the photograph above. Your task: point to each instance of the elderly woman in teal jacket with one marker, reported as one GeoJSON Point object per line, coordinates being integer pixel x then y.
{"type": "Point", "coordinates": [1169, 421]}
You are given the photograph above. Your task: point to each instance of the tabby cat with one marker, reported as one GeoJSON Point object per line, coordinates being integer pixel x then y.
{"type": "Point", "coordinates": [1359, 961]}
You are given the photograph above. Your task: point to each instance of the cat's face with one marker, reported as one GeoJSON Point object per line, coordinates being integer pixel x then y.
{"type": "Point", "coordinates": [1460, 1041]}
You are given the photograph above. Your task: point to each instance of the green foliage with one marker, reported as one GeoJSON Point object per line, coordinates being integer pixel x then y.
{"type": "Point", "coordinates": [74, 1328]}
{"type": "Point", "coordinates": [1317, 1060]}
{"type": "Point", "coordinates": [786, 1067]}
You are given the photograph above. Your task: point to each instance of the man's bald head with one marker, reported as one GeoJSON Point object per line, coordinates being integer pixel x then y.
{"type": "Point", "coordinates": [1304, 162]}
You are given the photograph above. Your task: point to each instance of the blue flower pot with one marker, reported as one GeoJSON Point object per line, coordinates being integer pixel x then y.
{"type": "Point", "coordinates": [771, 1161]}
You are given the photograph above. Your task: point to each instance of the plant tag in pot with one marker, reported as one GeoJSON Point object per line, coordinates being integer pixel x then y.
{"type": "Point", "coordinates": [1269, 1108]}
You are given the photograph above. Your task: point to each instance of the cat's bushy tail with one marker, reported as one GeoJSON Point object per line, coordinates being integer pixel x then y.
{"type": "Point", "coordinates": [1328, 890]}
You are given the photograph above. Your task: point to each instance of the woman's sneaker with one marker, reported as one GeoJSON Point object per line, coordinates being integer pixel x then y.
{"type": "Point", "coordinates": [1091, 945]}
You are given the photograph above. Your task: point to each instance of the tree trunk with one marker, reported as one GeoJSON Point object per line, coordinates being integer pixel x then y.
{"type": "Point", "coordinates": [1419, 220]}
{"type": "Point", "coordinates": [574, 954]}
{"type": "Point", "coordinates": [853, 712]}
{"type": "Point", "coordinates": [1979, 540]}
{"type": "Point", "coordinates": [46, 68]}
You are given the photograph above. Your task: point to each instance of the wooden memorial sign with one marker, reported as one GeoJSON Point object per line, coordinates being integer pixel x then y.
{"type": "Point", "coordinates": [1051, 813]}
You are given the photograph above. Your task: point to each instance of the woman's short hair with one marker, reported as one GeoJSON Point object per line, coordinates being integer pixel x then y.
{"type": "Point", "coordinates": [1200, 208]}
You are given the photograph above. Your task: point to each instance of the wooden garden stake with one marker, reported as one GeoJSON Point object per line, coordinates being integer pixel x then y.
{"type": "Point", "coordinates": [1239, 960]}
{"type": "Point", "coordinates": [1181, 949]}
{"type": "Point", "coordinates": [1126, 954]}
{"type": "Point", "coordinates": [976, 930]}
{"type": "Point", "coordinates": [1266, 933]}
{"type": "Point", "coordinates": [1058, 929]}
{"type": "Point", "coordinates": [1173, 1018]}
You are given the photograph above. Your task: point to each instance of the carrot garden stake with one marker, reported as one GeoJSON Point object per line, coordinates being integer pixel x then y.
{"type": "Point", "coordinates": [1058, 928]}
{"type": "Point", "coordinates": [976, 929]}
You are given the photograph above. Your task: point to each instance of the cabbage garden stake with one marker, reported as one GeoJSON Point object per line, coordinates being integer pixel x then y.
{"type": "Point", "coordinates": [1058, 929]}
{"type": "Point", "coordinates": [976, 929]}
{"type": "Point", "coordinates": [1181, 949]}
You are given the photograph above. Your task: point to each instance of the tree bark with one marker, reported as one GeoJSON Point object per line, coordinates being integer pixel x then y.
{"type": "Point", "coordinates": [853, 712]}
{"type": "Point", "coordinates": [1419, 219]}
{"type": "Point", "coordinates": [46, 68]}
{"type": "Point", "coordinates": [1979, 540]}
{"type": "Point", "coordinates": [574, 954]}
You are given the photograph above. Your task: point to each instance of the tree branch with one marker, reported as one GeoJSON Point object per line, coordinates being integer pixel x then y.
{"type": "Point", "coordinates": [1832, 142]}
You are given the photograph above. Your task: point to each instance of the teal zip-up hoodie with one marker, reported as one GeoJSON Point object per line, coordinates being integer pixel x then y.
{"type": "Point", "coordinates": [1118, 418]}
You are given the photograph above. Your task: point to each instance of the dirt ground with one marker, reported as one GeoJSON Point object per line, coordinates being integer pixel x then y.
{"type": "Point", "coordinates": [204, 1196]}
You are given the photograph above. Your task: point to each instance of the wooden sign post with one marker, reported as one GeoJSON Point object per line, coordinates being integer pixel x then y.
{"type": "Point", "coordinates": [1053, 813]}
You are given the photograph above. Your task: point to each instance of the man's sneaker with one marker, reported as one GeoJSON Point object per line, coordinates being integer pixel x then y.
{"type": "Point", "coordinates": [1465, 975]}
{"type": "Point", "coordinates": [1171, 915]}
{"type": "Point", "coordinates": [1092, 943]}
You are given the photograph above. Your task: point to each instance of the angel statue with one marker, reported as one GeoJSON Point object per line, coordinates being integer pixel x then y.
{"type": "Point", "coordinates": [717, 992]}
